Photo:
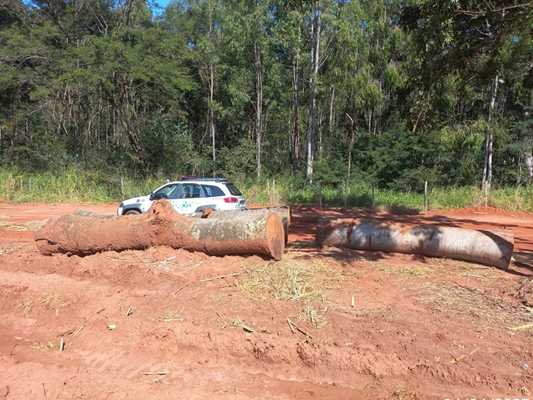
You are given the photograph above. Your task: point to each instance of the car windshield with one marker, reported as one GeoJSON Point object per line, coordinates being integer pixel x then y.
{"type": "Point", "coordinates": [233, 189]}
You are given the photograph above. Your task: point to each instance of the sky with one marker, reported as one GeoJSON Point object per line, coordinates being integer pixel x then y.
{"type": "Point", "coordinates": [163, 3]}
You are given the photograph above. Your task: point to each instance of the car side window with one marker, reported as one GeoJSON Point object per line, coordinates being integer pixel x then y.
{"type": "Point", "coordinates": [233, 189]}
{"type": "Point", "coordinates": [196, 191]}
{"type": "Point", "coordinates": [186, 191]}
{"type": "Point", "coordinates": [213, 191]}
{"type": "Point", "coordinates": [192, 190]}
{"type": "Point", "coordinates": [167, 192]}
{"type": "Point", "coordinates": [175, 193]}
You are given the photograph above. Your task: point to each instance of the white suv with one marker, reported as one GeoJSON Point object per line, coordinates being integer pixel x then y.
{"type": "Point", "coordinates": [189, 196]}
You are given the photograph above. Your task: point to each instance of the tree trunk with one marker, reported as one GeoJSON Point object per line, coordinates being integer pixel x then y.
{"type": "Point", "coordinates": [350, 147]}
{"type": "Point", "coordinates": [211, 84]}
{"type": "Point", "coordinates": [295, 139]}
{"type": "Point", "coordinates": [315, 35]}
{"type": "Point", "coordinates": [258, 105]}
{"type": "Point", "coordinates": [483, 247]}
{"type": "Point", "coordinates": [331, 113]}
{"type": "Point", "coordinates": [162, 226]}
{"type": "Point", "coordinates": [487, 169]}
{"type": "Point", "coordinates": [212, 131]}
{"type": "Point", "coordinates": [528, 160]}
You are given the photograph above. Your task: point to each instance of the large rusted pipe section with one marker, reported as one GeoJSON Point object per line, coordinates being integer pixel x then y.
{"type": "Point", "coordinates": [256, 233]}
{"type": "Point", "coordinates": [483, 247]}
{"type": "Point", "coordinates": [284, 213]}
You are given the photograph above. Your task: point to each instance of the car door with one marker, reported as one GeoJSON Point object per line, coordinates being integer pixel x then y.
{"type": "Point", "coordinates": [215, 197]}
{"type": "Point", "coordinates": [187, 199]}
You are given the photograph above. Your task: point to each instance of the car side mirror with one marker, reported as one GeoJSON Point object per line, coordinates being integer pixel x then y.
{"type": "Point", "coordinates": [158, 196]}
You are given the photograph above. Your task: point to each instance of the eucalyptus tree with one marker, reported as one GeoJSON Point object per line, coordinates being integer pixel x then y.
{"type": "Point", "coordinates": [15, 82]}
{"type": "Point", "coordinates": [136, 68]}
{"type": "Point", "coordinates": [322, 25]}
{"type": "Point", "coordinates": [364, 71]}
{"type": "Point", "coordinates": [100, 72]}
{"type": "Point", "coordinates": [289, 51]}
{"type": "Point", "coordinates": [315, 38]}
{"type": "Point", "coordinates": [199, 23]}
{"type": "Point", "coordinates": [480, 46]}
{"type": "Point", "coordinates": [247, 41]}
{"type": "Point", "coordinates": [31, 54]}
{"type": "Point", "coordinates": [522, 131]}
{"type": "Point", "coordinates": [316, 33]}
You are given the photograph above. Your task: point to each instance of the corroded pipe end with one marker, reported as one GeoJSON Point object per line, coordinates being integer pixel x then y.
{"type": "Point", "coordinates": [275, 235]}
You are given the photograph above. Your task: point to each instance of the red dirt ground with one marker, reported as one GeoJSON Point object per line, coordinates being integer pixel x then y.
{"type": "Point", "coordinates": [153, 324]}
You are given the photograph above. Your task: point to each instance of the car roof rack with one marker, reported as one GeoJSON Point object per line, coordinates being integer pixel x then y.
{"type": "Point", "coordinates": [218, 180]}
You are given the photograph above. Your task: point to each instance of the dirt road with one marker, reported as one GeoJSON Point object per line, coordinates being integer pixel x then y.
{"type": "Point", "coordinates": [325, 324]}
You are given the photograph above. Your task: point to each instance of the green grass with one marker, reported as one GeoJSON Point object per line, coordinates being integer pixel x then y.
{"type": "Point", "coordinates": [71, 186]}
{"type": "Point", "coordinates": [80, 186]}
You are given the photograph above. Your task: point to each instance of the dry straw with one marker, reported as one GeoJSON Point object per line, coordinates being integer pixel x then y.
{"type": "Point", "coordinates": [302, 281]}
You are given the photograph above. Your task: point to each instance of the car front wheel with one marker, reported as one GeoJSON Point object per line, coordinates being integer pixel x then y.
{"type": "Point", "coordinates": [132, 212]}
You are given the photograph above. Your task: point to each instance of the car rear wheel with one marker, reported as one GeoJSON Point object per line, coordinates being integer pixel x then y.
{"type": "Point", "coordinates": [132, 212]}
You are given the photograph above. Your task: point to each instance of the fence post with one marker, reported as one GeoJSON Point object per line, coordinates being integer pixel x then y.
{"type": "Point", "coordinates": [345, 194]}
{"type": "Point", "coordinates": [426, 200]}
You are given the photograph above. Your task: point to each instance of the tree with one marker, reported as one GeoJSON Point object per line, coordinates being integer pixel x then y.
{"type": "Point", "coordinates": [287, 42]}
{"type": "Point", "coordinates": [478, 42]}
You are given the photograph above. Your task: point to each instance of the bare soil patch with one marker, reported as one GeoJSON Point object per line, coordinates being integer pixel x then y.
{"type": "Point", "coordinates": [331, 323]}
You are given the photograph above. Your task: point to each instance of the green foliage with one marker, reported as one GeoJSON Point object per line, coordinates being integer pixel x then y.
{"type": "Point", "coordinates": [330, 172]}
{"type": "Point", "coordinates": [240, 160]}
{"type": "Point", "coordinates": [406, 161]}
{"type": "Point", "coordinates": [461, 149]}
{"type": "Point", "coordinates": [97, 85]}
{"type": "Point", "coordinates": [169, 148]}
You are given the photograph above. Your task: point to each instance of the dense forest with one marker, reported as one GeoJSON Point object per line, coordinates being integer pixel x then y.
{"type": "Point", "coordinates": [395, 93]}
